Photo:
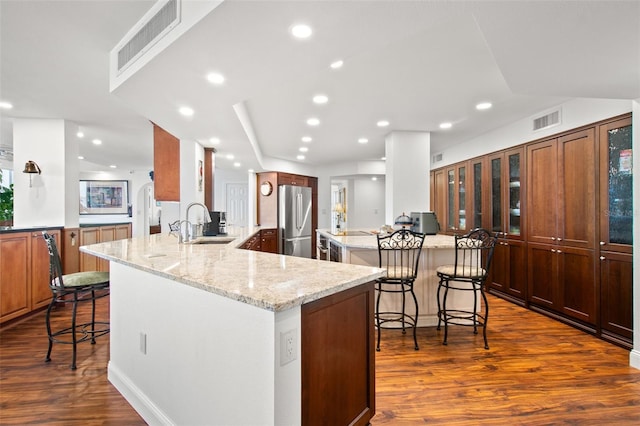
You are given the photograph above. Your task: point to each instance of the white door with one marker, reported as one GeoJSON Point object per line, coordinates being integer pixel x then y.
{"type": "Point", "coordinates": [237, 201]}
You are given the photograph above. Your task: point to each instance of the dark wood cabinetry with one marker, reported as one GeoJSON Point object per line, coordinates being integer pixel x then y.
{"type": "Point", "coordinates": [269, 240]}
{"type": "Point", "coordinates": [563, 208]}
{"type": "Point", "coordinates": [166, 165]}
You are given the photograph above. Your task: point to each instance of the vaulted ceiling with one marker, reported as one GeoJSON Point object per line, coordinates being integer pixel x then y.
{"type": "Point", "coordinates": [415, 64]}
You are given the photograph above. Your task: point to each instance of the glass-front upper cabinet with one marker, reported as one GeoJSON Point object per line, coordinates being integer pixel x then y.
{"type": "Point", "coordinates": [457, 201]}
{"type": "Point", "coordinates": [515, 176]}
{"type": "Point", "coordinates": [616, 195]}
{"type": "Point", "coordinates": [478, 192]}
{"type": "Point", "coordinates": [496, 194]}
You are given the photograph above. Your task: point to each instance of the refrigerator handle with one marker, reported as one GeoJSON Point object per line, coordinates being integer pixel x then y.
{"type": "Point", "coordinates": [298, 211]}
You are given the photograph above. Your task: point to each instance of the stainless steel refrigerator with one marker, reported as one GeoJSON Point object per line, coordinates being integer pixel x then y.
{"type": "Point", "coordinates": [294, 217]}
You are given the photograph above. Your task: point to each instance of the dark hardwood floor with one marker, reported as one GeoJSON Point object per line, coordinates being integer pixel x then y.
{"type": "Point", "coordinates": [537, 372]}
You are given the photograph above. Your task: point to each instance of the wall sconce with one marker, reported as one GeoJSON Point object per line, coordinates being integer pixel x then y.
{"type": "Point", "coordinates": [31, 167]}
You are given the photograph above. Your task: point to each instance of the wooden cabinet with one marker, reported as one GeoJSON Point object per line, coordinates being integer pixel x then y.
{"type": "Point", "coordinates": [561, 183]}
{"type": "Point", "coordinates": [166, 165]}
{"type": "Point", "coordinates": [269, 240]}
{"type": "Point", "coordinates": [290, 179]}
{"type": "Point", "coordinates": [100, 234]}
{"type": "Point", "coordinates": [252, 243]}
{"type": "Point", "coordinates": [24, 273]}
{"type": "Point", "coordinates": [509, 270]}
{"type": "Point", "coordinates": [439, 196]}
{"type": "Point", "coordinates": [616, 231]}
{"type": "Point", "coordinates": [458, 199]}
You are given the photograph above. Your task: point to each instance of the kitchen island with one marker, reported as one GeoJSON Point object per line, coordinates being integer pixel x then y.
{"type": "Point", "coordinates": [215, 335]}
{"type": "Point", "coordinates": [360, 247]}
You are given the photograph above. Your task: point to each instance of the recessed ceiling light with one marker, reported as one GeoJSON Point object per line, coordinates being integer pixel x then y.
{"type": "Point", "coordinates": [186, 111]}
{"type": "Point", "coordinates": [363, 140]}
{"type": "Point", "coordinates": [80, 157]}
{"type": "Point", "coordinates": [382, 123]}
{"type": "Point", "coordinates": [301, 31]}
{"type": "Point", "coordinates": [6, 105]}
{"type": "Point", "coordinates": [251, 170]}
{"type": "Point", "coordinates": [320, 99]}
{"type": "Point", "coordinates": [80, 134]}
{"type": "Point", "coordinates": [445, 125]}
{"type": "Point", "coordinates": [384, 158]}
{"type": "Point", "coordinates": [215, 78]}
{"type": "Point", "coordinates": [374, 178]}
{"type": "Point", "coordinates": [337, 64]}
{"type": "Point", "coordinates": [113, 166]}
{"type": "Point", "coordinates": [230, 157]}
{"type": "Point", "coordinates": [97, 142]}
{"type": "Point", "coordinates": [236, 164]}
{"type": "Point", "coordinates": [214, 141]}
{"type": "Point", "coordinates": [300, 157]}
{"type": "Point", "coordinates": [313, 121]}
{"type": "Point", "coordinates": [303, 149]}
{"type": "Point", "coordinates": [306, 139]}
{"type": "Point", "coordinates": [483, 105]}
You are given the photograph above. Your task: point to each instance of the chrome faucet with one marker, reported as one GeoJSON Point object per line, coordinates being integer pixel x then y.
{"type": "Point", "coordinates": [182, 238]}
{"type": "Point", "coordinates": [207, 219]}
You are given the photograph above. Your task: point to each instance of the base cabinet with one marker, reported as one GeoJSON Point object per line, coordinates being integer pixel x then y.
{"type": "Point", "coordinates": [100, 234]}
{"type": "Point", "coordinates": [24, 273]}
{"type": "Point", "coordinates": [509, 271]}
{"type": "Point", "coordinates": [616, 305]}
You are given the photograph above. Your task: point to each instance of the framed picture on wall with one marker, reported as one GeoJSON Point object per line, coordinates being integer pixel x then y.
{"type": "Point", "coordinates": [104, 196]}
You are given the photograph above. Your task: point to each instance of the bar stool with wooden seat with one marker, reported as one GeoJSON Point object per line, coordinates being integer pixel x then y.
{"type": "Point", "coordinates": [399, 254]}
{"type": "Point", "coordinates": [473, 253]}
{"type": "Point", "coordinates": [74, 288]}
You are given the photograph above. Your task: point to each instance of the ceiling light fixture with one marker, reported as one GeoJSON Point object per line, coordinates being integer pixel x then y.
{"type": "Point", "coordinates": [483, 105]}
{"type": "Point", "coordinates": [374, 178]}
{"type": "Point", "coordinates": [230, 157]}
{"type": "Point", "coordinates": [113, 166]}
{"type": "Point", "coordinates": [214, 141]}
{"type": "Point", "coordinates": [382, 123]}
{"type": "Point", "coordinates": [320, 99]}
{"type": "Point", "coordinates": [80, 134]}
{"type": "Point", "coordinates": [306, 139]}
{"type": "Point", "coordinates": [363, 140]}
{"type": "Point", "coordinates": [215, 78]}
{"type": "Point", "coordinates": [301, 31]}
{"type": "Point", "coordinates": [313, 121]}
{"type": "Point", "coordinates": [251, 171]}
{"type": "Point", "coordinates": [337, 64]}
{"type": "Point", "coordinates": [303, 149]}
{"type": "Point", "coordinates": [186, 111]}
{"type": "Point", "coordinates": [97, 142]}
{"type": "Point", "coordinates": [80, 157]}
{"type": "Point", "coordinates": [384, 158]}
{"type": "Point", "coordinates": [300, 157]}
{"type": "Point", "coordinates": [5, 105]}
{"type": "Point", "coordinates": [446, 125]}
{"type": "Point", "coordinates": [236, 164]}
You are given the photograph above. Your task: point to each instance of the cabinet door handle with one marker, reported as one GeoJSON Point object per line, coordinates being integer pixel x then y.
{"type": "Point", "coordinates": [602, 243]}
{"type": "Point", "coordinates": [553, 250]}
{"type": "Point", "coordinates": [559, 239]}
{"type": "Point", "coordinates": [559, 251]}
{"type": "Point", "coordinates": [553, 238]}
{"type": "Point", "coordinates": [602, 258]}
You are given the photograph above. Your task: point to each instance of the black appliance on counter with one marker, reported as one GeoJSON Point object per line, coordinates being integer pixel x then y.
{"type": "Point", "coordinates": [425, 223]}
{"type": "Point", "coordinates": [217, 226]}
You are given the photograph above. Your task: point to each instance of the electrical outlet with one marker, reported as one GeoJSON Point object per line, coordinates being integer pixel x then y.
{"type": "Point", "coordinates": [288, 346]}
{"type": "Point", "coordinates": [143, 343]}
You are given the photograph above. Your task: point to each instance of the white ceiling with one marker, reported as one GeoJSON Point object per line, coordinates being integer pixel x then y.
{"type": "Point", "coordinates": [414, 63]}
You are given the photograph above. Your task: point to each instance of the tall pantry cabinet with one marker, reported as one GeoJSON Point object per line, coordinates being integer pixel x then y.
{"type": "Point", "coordinates": [561, 200]}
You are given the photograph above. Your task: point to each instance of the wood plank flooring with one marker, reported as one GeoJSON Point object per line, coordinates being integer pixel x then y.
{"type": "Point", "coordinates": [537, 372]}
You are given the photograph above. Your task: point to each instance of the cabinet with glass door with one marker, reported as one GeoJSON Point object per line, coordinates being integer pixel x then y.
{"type": "Point", "coordinates": [457, 199]}
{"type": "Point", "coordinates": [616, 217]}
{"type": "Point", "coordinates": [505, 218]}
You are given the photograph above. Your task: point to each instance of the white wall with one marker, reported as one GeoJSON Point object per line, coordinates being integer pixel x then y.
{"type": "Point", "coordinates": [366, 210]}
{"type": "Point", "coordinates": [575, 113]}
{"type": "Point", "coordinates": [42, 141]}
{"type": "Point", "coordinates": [221, 178]}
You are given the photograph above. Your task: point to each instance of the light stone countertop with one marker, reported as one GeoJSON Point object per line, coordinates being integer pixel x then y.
{"type": "Point", "coordinates": [269, 281]}
{"type": "Point", "coordinates": [362, 238]}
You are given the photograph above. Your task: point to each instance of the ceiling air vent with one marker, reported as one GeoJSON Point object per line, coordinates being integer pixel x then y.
{"type": "Point", "coordinates": [548, 120]}
{"type": "Point", "coordinates": [157, 26]}
{"type": "Point", "coordinates": [436, 158]}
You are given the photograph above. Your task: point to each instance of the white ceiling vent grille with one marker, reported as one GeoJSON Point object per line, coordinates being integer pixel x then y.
{"type": "Point", "coordinates": [158, 25]}
{"type": "Point", "coordinates": [548, 120]}
{"type": "Point", "coordinates": [436, 158]}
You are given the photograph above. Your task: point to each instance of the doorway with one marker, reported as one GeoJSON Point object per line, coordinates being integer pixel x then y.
{"type": "Point", "coordinates": [237, 204]}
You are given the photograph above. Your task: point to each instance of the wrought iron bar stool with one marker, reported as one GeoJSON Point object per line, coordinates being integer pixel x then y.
{"type": "Point", "coordinates": [399, 254]}
{"type": "Point", "coordinates": [468, 273]}
{"type": "Point", "coordinates": [74, 288]}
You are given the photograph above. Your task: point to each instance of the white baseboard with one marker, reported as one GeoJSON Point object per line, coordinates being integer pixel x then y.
{"type": "Point", "coordinates": [136, 398]}
{"type": "Point", "coordinates": [634, 359]}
